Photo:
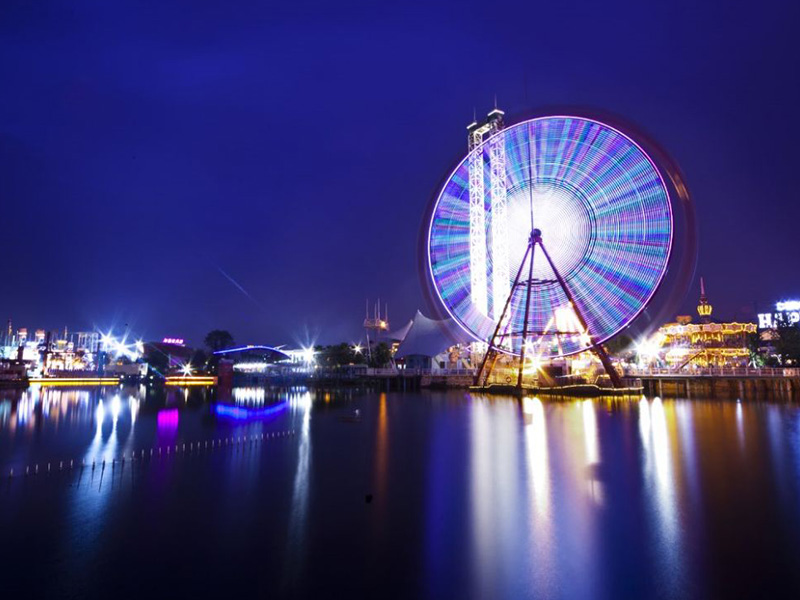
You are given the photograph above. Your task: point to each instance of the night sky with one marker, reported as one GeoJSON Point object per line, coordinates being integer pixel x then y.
{"type": "Point", "coordinates": [148, 149]}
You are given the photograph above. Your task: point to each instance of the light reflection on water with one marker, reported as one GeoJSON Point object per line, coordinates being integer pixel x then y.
{"type": "Point", "coordinates": [474, 496]}
{"type": "Point", "coordinates": [46, 424]}
{"type": "Point", "coordinates": [249, 395]}
{"type": "Point", "coordinates": [295, 551]}
{"type": "Point", "coordinates": [659, 481]}
{"type": "Point", "coordinates": [497, 492]}
{"type": "Point", "coordinates": [538, 467]}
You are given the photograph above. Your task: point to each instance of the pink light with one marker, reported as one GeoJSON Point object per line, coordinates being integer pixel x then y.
{"type": "Point", "coordinates": [168, 419]}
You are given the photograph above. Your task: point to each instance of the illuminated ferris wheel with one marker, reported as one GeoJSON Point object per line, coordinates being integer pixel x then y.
{"type": "Point", "coordinates": [549, 237]}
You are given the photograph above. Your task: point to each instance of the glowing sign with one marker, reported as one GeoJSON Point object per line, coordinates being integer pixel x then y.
{"type": "Point", "coordinates": [787, 313]}
{"type": "Point", "coordinates": [788, 305]}
{"type": "Point", "coordinates": [174, 341]}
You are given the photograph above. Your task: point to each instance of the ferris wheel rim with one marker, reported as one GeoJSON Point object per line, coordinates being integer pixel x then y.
{"type": "Point", "coordinates": [528, 122]}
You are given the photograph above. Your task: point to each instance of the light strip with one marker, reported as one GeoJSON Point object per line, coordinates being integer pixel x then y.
{"type": "Point", "coordinates": [75, 380]}
{"type": "Point", "coordinates": [191, 380]}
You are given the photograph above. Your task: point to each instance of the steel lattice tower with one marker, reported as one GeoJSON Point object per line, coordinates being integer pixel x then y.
{"type": "Point", "coordinates": [501, 284]}
{"type": "Point", "coordinates": [477, 224]}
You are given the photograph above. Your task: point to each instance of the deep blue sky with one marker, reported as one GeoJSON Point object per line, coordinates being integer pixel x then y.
{"type": "Point", "coordinates": [146, 145]}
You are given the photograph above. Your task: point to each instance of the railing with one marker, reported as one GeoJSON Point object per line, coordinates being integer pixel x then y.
{"type": "Point", "coordinates": [381, 372]}
{"type": "Point", "coordinates": [714, 372]}
{"type": "Point", "coordinates": [445, 372]}
{"type": "Point", "coordinates": [630, 372]}
{"type": "Point", "coordinates": [413, 372]}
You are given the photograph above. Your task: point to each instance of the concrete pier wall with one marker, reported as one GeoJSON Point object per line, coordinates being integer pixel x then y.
{"type": "Point", "coordinates": [724, 388]}
{"type": "Point", "coordinates": [446, 381]}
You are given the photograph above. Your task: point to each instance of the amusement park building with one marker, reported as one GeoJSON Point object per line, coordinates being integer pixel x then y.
{"type": "Point", "coordinates": [50, 352]}
{"type": "Point", "coordinates": [256, 363]}
{"type": "Point", "coordinates": [433, 344]}
{"type": "Point", "coordinates": [707, 343]}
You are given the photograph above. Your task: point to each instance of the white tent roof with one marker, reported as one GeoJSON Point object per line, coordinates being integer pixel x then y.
{"type": "Point", "coordinates": [398, 335]}
{"type": "Point", "coordinates": [429, 337]}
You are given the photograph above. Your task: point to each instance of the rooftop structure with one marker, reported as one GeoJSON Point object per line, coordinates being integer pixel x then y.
{"type": "Point", "coordinates": [432, 344]}
{"type": "Point", "coordinates": [704, 309]}
{"type": "Point", "coordinates": [256, 362]}
{"type": "Point", "coordinates": [253, 356]}
{"type": "Point", "coordinates": [67, 353]}
{"type": "Point", "coordinates": [376, 325]}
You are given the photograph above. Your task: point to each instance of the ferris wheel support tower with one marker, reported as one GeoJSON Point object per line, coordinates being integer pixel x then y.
{"type": "Point", "coordinates": [501, 284]}
{"type": "Point", "coordinates": [492, 353]}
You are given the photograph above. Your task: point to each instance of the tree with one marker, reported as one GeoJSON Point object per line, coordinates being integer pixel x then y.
{"type": "Point", "coordinates": [757, 359]}
{"type": "Point", "coordinates": [199, 359]}
{"type": "Point", "coordinates": [620, 344]}
{"type": "Point", "coordinates": [787, 343]}
{"type": "Point", "coordinates": [338, 355]}
{"type": "Point", "coordinates": [332, 356]}
{"type": "Point", "coordinates": [158, 361]}
{"type": "Point", "coordinates": [219, 339]}
{"type": "Point", "coordinates": [381, 355]}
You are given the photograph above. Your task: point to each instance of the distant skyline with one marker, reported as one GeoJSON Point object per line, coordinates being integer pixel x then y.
{"type": "Point", "coordinates": [264, 169]}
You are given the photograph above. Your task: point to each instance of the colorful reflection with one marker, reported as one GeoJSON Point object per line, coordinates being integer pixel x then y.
{"type": "Point", "coordinates": [657, 428]}
{"type": "Point", "coordinates": [300, 403]}
{"type": "Point", "coordinates": [483, 497]}
{"type": "Point", "coordinates": [168, 420]}
{"type": "Point", "coordinates": [496, 497]}
{"type": "Point", "coordinates": [241, 413]}
{"type": "Point", "coordinates": [382, 453]}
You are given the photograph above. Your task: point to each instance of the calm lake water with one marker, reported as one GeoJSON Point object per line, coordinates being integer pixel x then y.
{"type": "Point", "coordinates": [472, 497]}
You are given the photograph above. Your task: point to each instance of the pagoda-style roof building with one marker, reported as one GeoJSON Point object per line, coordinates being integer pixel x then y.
{"type": "Point", "coordinates": [706, 343]}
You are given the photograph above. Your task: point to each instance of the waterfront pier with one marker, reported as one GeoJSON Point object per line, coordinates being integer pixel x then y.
{"type": "Point", "coordinates": [723, 384]}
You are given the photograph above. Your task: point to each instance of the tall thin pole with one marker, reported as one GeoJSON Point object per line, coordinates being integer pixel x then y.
{"type": "Point", "coordinates": [366, 330]}
{"type": "Point", "coordinates": [532, 243]}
